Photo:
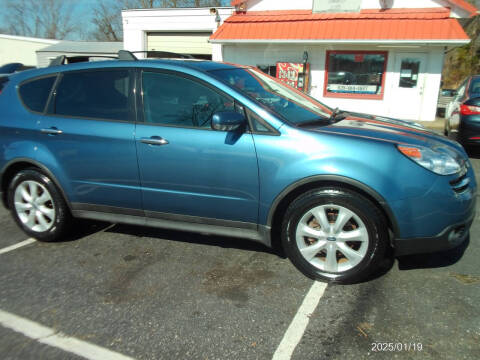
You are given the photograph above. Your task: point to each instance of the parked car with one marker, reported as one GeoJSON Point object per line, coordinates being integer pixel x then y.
{"type": "Point", "coordinates": [11, 68]}
{"type": "Point", "coordinates": [463, 122]}
{"type": "Point", "coordinates": [444, 98]}
{"type": "Point", "coordinates": [228, 150]}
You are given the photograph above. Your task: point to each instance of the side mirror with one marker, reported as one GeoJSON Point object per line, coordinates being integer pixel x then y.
{"type": "Point", "coordinates": [227, 120]}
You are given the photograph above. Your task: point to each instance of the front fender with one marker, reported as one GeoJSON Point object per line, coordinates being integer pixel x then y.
{"type": "Point", "coordinates": [298, 157]}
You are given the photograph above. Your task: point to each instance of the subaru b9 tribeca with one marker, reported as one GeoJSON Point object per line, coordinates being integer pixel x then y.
{"type": "Point", "coordinates": [227, 150]}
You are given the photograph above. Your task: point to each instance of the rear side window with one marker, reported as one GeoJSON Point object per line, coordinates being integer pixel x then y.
{"type": "Point", "coordinates": [3, 82]}
{"type": "Point", "coordinates": [101, 94]}
{"type": "Point", "coordinates": [34, 94]}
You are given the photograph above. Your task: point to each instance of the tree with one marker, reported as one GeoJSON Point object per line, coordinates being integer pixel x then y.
{"type": "Point", "coordinates": [107, 18]}
{"type": "Point", "coordinates": [40, 18]}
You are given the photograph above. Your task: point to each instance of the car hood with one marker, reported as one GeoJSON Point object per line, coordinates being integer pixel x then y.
{"type": "Point", "coordinates": [386, 129]}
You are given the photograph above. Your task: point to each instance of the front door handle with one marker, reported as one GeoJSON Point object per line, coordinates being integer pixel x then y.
{"type": "Point", "coordinates": [51, 131]}
{"type": "Point", "coordinates": [154, 140]}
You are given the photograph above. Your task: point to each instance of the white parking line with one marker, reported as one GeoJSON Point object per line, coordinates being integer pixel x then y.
{"type": "Point", "coordinates": [56, 339]}
{"type": "Point", "coordinates": [16, 246]}
{"type": "Point", "coordinates": [297, 327]}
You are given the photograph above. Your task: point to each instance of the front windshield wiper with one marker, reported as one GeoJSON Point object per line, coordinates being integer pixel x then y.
{"type": "Point", "coordinates": [337, 115]}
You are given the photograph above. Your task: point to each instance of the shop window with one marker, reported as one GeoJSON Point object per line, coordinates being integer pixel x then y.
{"type": "Point", "coordinates": [355, 74]}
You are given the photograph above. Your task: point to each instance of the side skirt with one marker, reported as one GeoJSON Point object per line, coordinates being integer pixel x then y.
{"type": "Point", "coordinates": [236, 229]}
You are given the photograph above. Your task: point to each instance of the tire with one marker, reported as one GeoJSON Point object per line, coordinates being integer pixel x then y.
{"type": "Point", "coordinates": [332, 252]}
{"type": "Point", "coordinates": [45, 216]}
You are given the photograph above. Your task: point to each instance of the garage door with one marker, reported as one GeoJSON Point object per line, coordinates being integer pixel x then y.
{"type": "Point", "coordinates": [181, 42]}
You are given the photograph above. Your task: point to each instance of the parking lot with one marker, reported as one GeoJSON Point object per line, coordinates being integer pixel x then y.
{"type": "Point", "coordinates": [154, 294]}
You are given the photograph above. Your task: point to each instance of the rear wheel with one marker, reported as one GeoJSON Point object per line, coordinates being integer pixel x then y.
{"type": "Point", "coordinates": [334, 235]}
{"type": "Point", "coordinates": [37, 206]}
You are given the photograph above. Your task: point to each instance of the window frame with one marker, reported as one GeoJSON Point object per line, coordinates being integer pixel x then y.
{"type": "Point", "coordinates": [50, 107]}
{"type": "Point", "coordinates": [52, 90]}
{"type": "Point", "coordinates": [355, 96]}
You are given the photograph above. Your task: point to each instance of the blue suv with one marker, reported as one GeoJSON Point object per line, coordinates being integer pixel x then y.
{"type": "Point", "coordinates": [227, 150]}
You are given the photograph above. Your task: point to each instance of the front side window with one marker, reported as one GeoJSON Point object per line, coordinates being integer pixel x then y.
{"type": "Point", "coordinates": [289, 103]}
{"type": "Point", "coordinates": [170, 99]}
{"type": "Point", "coordinates": [355, 74]}
{"type": "Point", "coordinates": [103, 94]}
{"type": "Point", "coordinates": [35, 93]}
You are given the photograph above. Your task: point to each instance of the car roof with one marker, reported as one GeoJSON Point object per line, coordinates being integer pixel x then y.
{"type": "Point", "coordinates": [186, 65]}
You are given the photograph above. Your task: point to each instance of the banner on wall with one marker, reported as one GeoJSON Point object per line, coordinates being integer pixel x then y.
{"type": "Point", "coordinates": [294, 74]}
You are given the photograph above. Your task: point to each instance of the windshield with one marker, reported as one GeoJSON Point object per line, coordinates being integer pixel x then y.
{"type": "Point", "coordinates": [291, 104]}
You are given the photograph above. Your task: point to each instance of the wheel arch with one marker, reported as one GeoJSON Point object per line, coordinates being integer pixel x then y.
{"type": "Point", "coordinates": [281, 202]}
{"type": "Point", "coordinates": [14, 166]}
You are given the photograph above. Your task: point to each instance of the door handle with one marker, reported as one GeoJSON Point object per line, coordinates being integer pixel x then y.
{"type": "Point", "coordinates": [51, 131]}
{"type": "Point", "coordinates": [154, 140]}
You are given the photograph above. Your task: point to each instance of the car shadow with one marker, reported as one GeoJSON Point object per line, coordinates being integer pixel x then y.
{"type": "Point", "coordinates": [82, 228]}
{"type": "Point", "coordinates": [192, 238]}
{"type": "Point", "coordinates": [433, 260]}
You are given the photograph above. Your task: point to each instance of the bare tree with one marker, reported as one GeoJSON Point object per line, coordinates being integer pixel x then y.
{"type": "Point", "coordinates": [107, 14]}
{"type": "Point", "coordinates": [40, 18]}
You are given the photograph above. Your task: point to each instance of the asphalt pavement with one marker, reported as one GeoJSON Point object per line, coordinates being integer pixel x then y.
{"type": "Point", "coordinates": [154, 294]}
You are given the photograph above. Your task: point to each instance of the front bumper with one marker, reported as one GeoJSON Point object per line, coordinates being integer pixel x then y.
{"type": "Point", "coordinates": [449, 238]}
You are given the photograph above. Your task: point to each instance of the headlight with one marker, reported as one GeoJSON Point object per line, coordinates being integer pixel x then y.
{"type": "Point", "coordinates": [440, 160]}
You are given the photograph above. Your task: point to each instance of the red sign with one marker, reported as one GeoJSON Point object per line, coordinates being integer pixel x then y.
{"type": "Point", "coordinates": [288, 73]}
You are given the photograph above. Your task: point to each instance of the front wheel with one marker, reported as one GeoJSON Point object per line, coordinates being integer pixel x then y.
{"type": "Point", "coordinates": [37, 206]}
{"type": "Point", "coordinates": [334, 235]}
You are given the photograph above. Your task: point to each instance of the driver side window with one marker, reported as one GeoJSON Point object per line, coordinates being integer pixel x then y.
{"type": "Point", "coordinates": [171, 99]}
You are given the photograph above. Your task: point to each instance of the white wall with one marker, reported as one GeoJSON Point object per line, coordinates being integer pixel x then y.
{"type": "Point", "coordinates": [21, 49]}
{"type": "Point", "coordinates": [262, 5]}
{"type": "Point", "coordinates": [136, 23]}
{"type": "Point", "coordinates": [269, 54]}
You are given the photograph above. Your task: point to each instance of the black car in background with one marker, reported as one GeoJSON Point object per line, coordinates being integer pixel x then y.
{"type": "Point", "coordinates": [463, 113]}
{"type": "Point", "coordinates": [11, 68]}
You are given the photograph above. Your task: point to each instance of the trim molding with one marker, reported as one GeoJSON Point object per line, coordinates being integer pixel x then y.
{"type": "Point", "coordinates": [172, 221]}
{"type": "Point", "coordinates": [339, 179]}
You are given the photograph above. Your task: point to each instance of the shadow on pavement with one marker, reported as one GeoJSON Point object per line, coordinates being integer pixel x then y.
{"type": "Point", "coordinates": [433, 260]}
{"type": "Point", "coordinates": [82, 228]}
{"type": "Point", "coordinates": [189, 237]}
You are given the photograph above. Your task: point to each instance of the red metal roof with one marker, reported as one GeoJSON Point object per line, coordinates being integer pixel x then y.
{"type": "Point", "coordinates": [393, 24]}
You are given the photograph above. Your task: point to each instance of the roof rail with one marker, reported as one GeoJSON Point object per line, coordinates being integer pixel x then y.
{"type": "Point", "coordinates": [164, 54]}
{"type": "Point", "coordinates": [126, 55]}
{"type": "Point", "coordinates": [59, 60]}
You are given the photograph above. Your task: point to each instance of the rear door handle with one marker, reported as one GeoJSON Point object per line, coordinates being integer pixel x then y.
{"type": "Point", "coordinates": [51, 131]}
{"type": "Point", "coordinates": [154, 140]}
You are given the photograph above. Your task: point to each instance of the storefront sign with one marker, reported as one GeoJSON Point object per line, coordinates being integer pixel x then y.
{"type": "Point", "coordinates": [289, 73]}
{"type": "Point", "coordinates": [336, 6]}
{"type": "Point", "coordinates": [352, 89]}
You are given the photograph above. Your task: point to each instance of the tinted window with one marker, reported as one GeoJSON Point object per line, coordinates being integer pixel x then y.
{"type": "Point", "coordinates": [475, 87]}
{"type": "Point", "coordinates": [95, 94]}
{"type": "Point", "coordinates": [175, 100]}
{"type": "Point", "coordinates": [35, 93]}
